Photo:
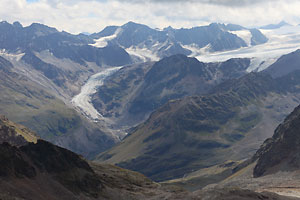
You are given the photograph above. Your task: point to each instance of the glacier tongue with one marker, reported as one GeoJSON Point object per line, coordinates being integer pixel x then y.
{"type": "Point", "coordinates": [82, 101]}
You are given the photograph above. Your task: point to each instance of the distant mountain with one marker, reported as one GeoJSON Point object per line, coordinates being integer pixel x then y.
{"type": "Point", "coordinates": [62, 59]}
{"type": "Point", "coordinates": [275, 26]}
{"type": "Point", "coordinates": [234, 27]}
{"type": "Point", "coordinates": [38, 38]}
{"type": "Point", "coordinates": [138, 38]}
{"type": "Point", "coordinates": [285, 65]}
{"type": "Point", "coordinates": [200, 131]}
{"type": "Point", "coordinates": [132, 93]}
{"type": "Point", "coordinates": [151, 44]}
{"type": "Point", "coordinates": [42, 69]}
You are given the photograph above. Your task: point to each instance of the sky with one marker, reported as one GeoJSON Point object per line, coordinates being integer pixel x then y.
{"type": "Point", "coordinates": [91, 16]}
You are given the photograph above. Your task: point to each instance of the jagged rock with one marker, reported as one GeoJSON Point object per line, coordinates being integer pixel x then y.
{"type": "Point", "coordinates": [281, 152]}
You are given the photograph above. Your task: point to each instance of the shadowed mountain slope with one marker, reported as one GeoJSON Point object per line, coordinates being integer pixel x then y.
{"type": "Point", "coordinates": [193, 132]}
{"type": "Point", "coordinates": [132, 93]}
{"type": "Point", "coordinates": [281, 152]}
{"type": "Point", "coordinates": [198, 132]}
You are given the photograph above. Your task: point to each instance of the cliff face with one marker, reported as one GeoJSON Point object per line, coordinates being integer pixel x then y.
{"type": "Point", "coordinates": [282, 151]}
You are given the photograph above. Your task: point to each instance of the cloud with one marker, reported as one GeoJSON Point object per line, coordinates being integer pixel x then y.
{"type": "Point", "coordinates": [229, 3]}
{"type": "Point", "coordinates": [215, 2]}
{"type": "Point", "coordinates": [93, 15]}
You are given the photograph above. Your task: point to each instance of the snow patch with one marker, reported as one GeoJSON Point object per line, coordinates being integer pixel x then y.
{"type": "Point", "coordinates": [244, 34]}
{"type": "Point", "coordinates": [259, 64]}
{"type": "Point", "coordinates": [144, 53]}
{"type": "Point", "coordinates": [194, 48]}
{"type": "Point", "coordinates": [10, 56]}
{"type": "Point", "coordinates": [103, 41]}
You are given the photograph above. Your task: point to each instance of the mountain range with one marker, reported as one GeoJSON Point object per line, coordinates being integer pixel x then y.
{"type": "Point", "coordinates": [132, 93]}
{"type": "Point", "coordinates": [228, 123]}
{"type": "Point", "coordinates": [135, 97]}
{"type": "Point", "coordinates": [43, 69]}
{"type": "Point", "coordinates": [148, 44]}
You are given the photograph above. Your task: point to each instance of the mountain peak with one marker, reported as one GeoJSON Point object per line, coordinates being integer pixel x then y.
{"type": "Point", "coordinates": [39, 25]}
{"type": "Point", "coordinates": [283, 23]}
{"type": "Point", "coordinates": [132, 24]}
{"type": "Point", "coordinates": [17, 24]}
{"type": "Point", "coordinates": [4, 22]}
{"type": "Point", "coordinates": [41, 29]}
{"type": "Point", "coordinates": [169, 28]}
{"type": "Point", "coordinates": [216, 24]}
{"type": "Point", "coordinates": [275, 26]}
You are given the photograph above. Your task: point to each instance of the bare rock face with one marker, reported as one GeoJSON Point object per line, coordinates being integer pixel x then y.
{"type": "Point", "coordinates": [282, 151]}
{"type": "Point", "coordinates": [13, 164]}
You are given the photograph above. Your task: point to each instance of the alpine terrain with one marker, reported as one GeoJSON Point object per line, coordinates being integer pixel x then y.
{"type": "Point", "coordinates": [137, 112]}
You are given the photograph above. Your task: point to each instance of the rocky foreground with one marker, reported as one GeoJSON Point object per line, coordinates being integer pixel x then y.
{"type": "Point", "coordinates": [42, 171]}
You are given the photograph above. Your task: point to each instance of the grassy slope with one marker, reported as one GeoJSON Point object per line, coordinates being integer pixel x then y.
{"type": "Point", "coordinates": [33, 107]}
{"type": "Point", "coordinates": [15, 134]}
{"type": "Point", "coordinates": [25, 103]}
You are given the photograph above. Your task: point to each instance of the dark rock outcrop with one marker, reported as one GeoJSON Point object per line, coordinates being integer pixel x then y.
{"type": "Point", "coordinates": [281, 152]}
{"type": "Point", "coordinates": [64, 166]}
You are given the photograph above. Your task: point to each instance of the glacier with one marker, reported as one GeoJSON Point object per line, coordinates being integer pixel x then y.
{"type": "Point", "coordinates": [281, 41]}
{"type": "Point", "coordinates": [82, 101]}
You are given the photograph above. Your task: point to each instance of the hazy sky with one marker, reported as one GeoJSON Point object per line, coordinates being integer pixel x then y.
{"type": "Point", "coordinates": [77, 16]}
